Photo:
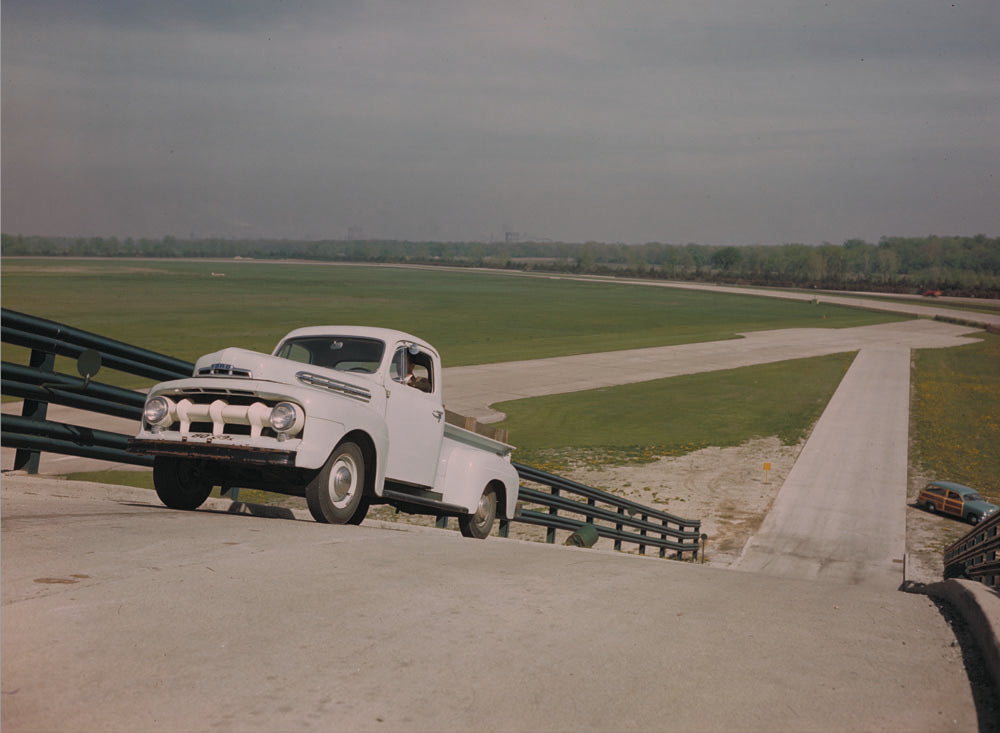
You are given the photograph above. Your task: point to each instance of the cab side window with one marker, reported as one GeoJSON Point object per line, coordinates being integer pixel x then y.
{"type": "Point", "coordinates": [414, 370]}
{"type": "Point", "coordinates": [397, 370]}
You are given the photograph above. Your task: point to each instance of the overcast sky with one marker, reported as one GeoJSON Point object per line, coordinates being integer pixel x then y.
{"type": "Point", "coordinates": [709, 121]}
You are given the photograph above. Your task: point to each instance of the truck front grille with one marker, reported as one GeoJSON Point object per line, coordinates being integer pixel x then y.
{"type": "Point", "coordinates": [225, 412]}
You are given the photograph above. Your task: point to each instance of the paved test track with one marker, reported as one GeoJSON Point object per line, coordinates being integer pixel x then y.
{"type": "Point", "coordinates": [841, 513]}
{"type": "Point", "coordinates": [473, 390]}
{"type": "Point", "coordinates": [120, 614]}
{"type": "Point", "coordinates": [257, 624]}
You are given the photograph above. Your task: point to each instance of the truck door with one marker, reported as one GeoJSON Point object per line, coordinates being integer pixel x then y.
{"type": "Point", "coordinates": [414, 417]}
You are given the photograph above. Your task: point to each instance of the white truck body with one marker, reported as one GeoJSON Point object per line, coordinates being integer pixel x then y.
{"type": "Point", "coordinates": [378, 389]}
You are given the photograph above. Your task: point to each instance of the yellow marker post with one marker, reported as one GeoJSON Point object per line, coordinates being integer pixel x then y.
{"type": "Point", "coordinates": [767, 467]}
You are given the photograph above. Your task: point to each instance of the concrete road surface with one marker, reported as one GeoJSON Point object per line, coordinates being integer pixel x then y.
{"type": "Point", "coordinates": [889, 303]}
{"type": "Point", "coordinates": [119, 614]}
{"type": "Point", "coordinates": [841, 513]}
{"type": "Point", "coordinates": [472, 390]}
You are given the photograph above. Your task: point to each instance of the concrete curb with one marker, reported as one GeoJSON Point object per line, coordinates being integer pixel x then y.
{"type": "Point", "coordinates": [979, 607]}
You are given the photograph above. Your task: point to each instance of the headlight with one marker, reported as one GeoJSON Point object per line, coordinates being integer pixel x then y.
{"type": "Point", "coordinates": [286, 418]}
{"type": "Point", "coordinates": [157, 411]}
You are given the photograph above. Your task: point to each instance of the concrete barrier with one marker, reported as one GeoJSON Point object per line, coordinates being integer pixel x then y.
{"type": "Point", "coordinates": [979, 607]}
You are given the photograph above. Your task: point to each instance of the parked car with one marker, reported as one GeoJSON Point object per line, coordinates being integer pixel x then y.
{"type": "Point", "coordinates": [948, 497]}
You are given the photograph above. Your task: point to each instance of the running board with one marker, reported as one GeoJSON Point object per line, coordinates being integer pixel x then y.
{"type": "Point", "coordinates": [423, 500]}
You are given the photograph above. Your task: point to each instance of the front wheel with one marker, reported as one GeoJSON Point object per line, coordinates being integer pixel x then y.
{"type": "Point", "coordinates": [972, 518]}
{"type": "Point", "coordinates": [478, 525]}
{"type": "Point", "coordinates": [337, 494]}
{"type": "Point", "coordinates": [181, 483]}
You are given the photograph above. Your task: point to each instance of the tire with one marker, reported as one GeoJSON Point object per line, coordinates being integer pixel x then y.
{"type": "Point", "coordinates": [337, 494]}
{"type": "Point", "coordinates": [930, 507]}
{"type": "Point", "coordinates": [181, 483]}
{"type": "Point", "coordinates": [478, 525]}
{"type": "Point", "coordinates": [972, 518]}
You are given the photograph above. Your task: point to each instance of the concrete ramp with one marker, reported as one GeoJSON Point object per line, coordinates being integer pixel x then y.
{"type": "Point", "coordinates": [120, 614]}
{"type": "Point", "coordinates": [840, 514]}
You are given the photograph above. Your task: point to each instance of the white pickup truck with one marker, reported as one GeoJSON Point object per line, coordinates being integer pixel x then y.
{"type": "Point", "coordinates": [345, 416]}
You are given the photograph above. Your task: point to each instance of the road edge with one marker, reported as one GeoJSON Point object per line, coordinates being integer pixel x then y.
{"type": "Point", "coordinates": [979, 607]}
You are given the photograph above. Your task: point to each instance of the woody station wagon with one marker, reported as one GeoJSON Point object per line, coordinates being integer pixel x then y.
{"type": "Point", "coordinates": [948, 497]}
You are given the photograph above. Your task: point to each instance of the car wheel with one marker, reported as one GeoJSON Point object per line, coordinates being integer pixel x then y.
{"type": "Point", "coordinates": [337, 494]}
{"type": "Point", "coordinates": [930, 507]}
{"type": "Point", "coordinates": [973, 518]}
{"type": "Point", "coordinates": [181, 483]}
{"type": "Point", "coordinates": [478, 525]}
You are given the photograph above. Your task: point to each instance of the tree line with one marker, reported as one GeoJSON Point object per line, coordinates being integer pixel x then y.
{"type": "Point", "coordinates": [953, 265]}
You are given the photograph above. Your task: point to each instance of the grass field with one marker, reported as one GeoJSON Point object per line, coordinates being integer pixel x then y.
{"type": "Point", "coordinates": [180, 309]}
{"type": "Point", "coordinates": [955, 414]}
{"type": "Point", "coordinates": [639, 422]}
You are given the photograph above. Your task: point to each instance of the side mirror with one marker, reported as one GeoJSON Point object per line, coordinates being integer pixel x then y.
{"type": "Point", "coordinates": [88, 364]}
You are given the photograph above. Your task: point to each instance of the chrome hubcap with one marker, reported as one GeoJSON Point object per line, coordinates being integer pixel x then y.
{"type": "Point", "coordinates": [341, 482]}
{"type": "Point", "coordinates": [483, 510]}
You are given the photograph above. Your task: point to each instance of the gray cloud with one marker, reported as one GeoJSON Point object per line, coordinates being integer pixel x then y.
{"type": "Point", "coordinates": [729, 121]}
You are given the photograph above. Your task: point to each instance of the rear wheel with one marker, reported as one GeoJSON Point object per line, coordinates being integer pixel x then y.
{"type": "Point", "coordinates": [337, 494]}
{"type": "Point", "coordinates": [181, 483]}
{"type": "Point", "coordinates": [478, 525]}
{"type": "Point", "coordinates": [929, 506]}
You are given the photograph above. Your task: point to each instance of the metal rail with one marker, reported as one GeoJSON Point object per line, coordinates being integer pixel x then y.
{"type": "Point", "coordinates": [608, 515]}
{"type": "Point", "coordinates": [565, 505]}
{"type": "Point", "coordinates": [975, 555]}
{"type": "Point", "coordinates": [39, 385]}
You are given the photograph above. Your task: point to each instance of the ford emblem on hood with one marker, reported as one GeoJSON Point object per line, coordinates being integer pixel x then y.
{"type": "Point", "coordinates": [223, 370]}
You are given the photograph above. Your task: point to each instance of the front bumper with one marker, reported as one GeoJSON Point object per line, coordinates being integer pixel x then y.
{"type": "Point", "coordinates": [245, 455]}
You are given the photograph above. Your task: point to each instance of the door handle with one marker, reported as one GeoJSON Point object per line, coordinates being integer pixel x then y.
{"type": "Point", "coordinates": [438, 414]}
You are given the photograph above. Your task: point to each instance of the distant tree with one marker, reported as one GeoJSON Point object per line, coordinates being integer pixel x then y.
{"type": "Point", "coordinates": [727, 259]}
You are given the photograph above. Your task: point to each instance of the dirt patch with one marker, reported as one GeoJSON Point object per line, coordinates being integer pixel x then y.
{"type": "Point", "coordinates": [726, 488]}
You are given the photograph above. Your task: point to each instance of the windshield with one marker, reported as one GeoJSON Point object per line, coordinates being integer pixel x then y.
{"type": "Point", "coordinates": [343, 353]}
{"type": "Point", "coordinates": [973, 496]}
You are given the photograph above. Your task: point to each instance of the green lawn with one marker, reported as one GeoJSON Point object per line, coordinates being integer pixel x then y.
{"type": "Point", "coordinates": [955, 419]}
{"type": "Point", "coordinates": [677, 415]}
{"type": "Point", "coordinates": [180, 309]}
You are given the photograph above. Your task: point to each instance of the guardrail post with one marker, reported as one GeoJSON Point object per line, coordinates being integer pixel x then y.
{"type": "Point", "coordinates": [504, 528]}
{"type": "Point", "coordinates": [642, 533]}
{"type": "Point", "coordinates": [550, 532]}
{"type": "Point", "coordinates": [24, 459]}
{"type": "Point", "coordinates": [618, 528]}
{"type": "Point", "coordinates": [663, 536]}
